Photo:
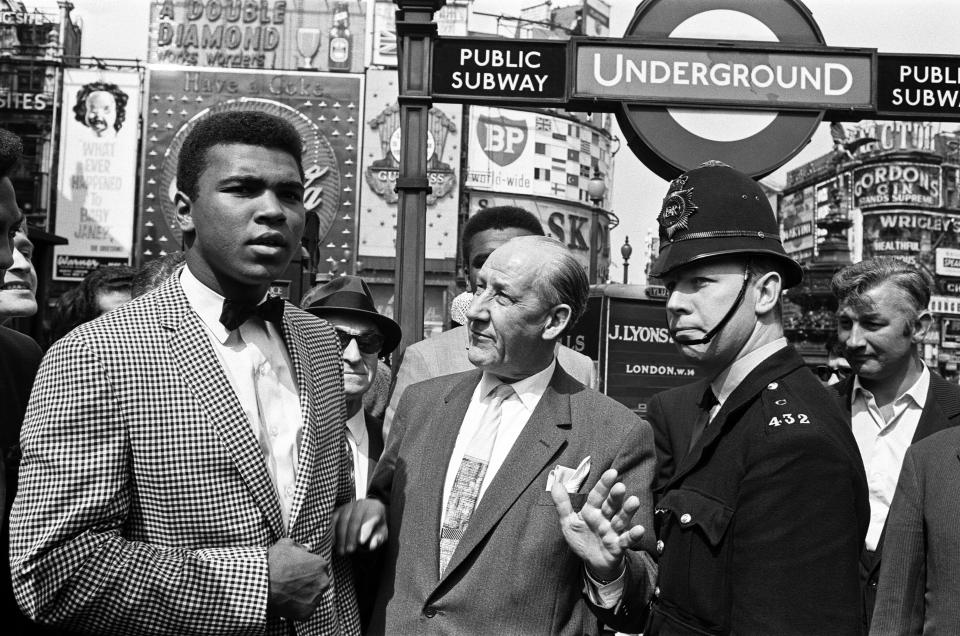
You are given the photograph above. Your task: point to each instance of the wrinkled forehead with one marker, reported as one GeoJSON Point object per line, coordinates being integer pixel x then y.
{"type": "Point", "coordinates": [885, 298]}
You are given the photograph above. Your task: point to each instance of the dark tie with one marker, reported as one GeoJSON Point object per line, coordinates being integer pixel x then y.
{"type": "Point", "coordinates": [707, 402]}
{"type": "Point", "coordinates": [236, 313]}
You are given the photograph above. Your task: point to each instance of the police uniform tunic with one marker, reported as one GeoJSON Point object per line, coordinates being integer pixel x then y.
{"type": "Point", "coordinates": [760, 524]}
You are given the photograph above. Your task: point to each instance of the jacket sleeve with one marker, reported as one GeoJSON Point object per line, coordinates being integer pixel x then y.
{"type": "Point", "coordinates": [70, 562]}
{"type": "Point", "coordinates": [635, 463]}
{"type": "Point", "coordinates": [413, 369]}
{"type": "Point", "coordinates": [900, 591]}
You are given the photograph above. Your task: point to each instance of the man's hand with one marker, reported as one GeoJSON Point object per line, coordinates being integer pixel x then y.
{"type": "Point", "coordinates": [298, 579]}
{"type": "Point", "coordinates": [359, 523]}
{"type": "Point", "coordinates": [601, 532]}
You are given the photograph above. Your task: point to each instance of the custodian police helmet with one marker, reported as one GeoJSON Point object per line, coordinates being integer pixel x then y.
{"type": "Point", "coordinates": [714, 210]}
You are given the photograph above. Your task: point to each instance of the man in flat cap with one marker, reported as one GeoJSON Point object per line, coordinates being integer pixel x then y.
{"type": "Point", "coordinates": [761, 499]}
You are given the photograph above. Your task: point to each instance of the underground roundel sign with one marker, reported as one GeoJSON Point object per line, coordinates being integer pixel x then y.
{"type": "Point", "coordinates": [673, 140]}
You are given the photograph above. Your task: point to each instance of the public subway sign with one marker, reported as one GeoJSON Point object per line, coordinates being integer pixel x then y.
{"type": "Point", "coordinates": [753, 76]}
{"type": "Point", "coordinates": [505, 71]}
{"type": "Point", "coordinates": [918, 85]}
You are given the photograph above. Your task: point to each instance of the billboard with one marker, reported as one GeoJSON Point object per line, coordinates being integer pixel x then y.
{"type": "Point", "coordinates": [911, 235]}
{"type": "Point", "coordinates": [320, 35]}
{"type": "Point", "coordinates": [326, 108]}
{"type": "Point", "coordinates": [381, 167]}
{"type": "Point", "coordinates": [798, 222]}
{"type": "Point", "coordinates": [451, 20]}
{"type": "Point", "coordinates": [96, 179]}
{"type": "Point", "coordinates": [572, 225]}
{"type": "Point", "coordinates": [533, 153]}
{"type": "Point", "coordinates": [893, 184]}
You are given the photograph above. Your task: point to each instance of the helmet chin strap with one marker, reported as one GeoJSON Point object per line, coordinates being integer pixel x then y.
{"type": "Point", "coordinates": [723, 322]}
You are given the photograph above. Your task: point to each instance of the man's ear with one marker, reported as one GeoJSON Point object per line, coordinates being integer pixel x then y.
{"type": "Point", "coordinates": [768, 288]}
{"type": "Point", "coordinates": [921, 326]}
{"type": "Point", "coordinates": [556, 321]}
{"type": "Point", "coordinates": [184, 207]}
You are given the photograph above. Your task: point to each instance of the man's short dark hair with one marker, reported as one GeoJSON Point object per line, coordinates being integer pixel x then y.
{"type": "Point", "coordinates": [499, 217]}
{"type": "Point", "coordinates": [249, 127]}
{"type": "Point", "coordinates": [119, 97]}
{"type": "Point", "coordinates": [11, 148]}
{"type": "Point", "coordinates": [851, 283]}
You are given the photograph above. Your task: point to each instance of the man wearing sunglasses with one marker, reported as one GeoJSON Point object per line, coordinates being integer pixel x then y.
{"type": "Point", "coordinates": [892, 399]}
{"type": "Point", "coordinates": [365, 335]}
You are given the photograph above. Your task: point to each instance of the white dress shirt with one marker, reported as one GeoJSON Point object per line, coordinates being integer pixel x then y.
{"type": "Point", "coordinates": [883, 444]}
{"type": "Point", "coordinates": [358, 439]}
{"type": "Point", "coordinates": [256, 362]}
{"type": "Point", "coordinates": [516, 411]}
{"type": "Point", "coordinates": [723, 385]}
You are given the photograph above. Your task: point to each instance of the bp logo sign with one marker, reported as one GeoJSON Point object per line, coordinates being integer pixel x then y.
{"type": "Point", "coordinates": [672, 139]}
{"type": "Point", "coordinates": [502, 139]}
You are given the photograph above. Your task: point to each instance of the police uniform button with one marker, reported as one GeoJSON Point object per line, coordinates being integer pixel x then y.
{"type": "Point", "coordinates": [773, 386]}
{"type": "Point", "coordinates": [656, 591]}
{"type": "Point", "coordinates": [760, 235]}
{"type": "Point", "coordinates": [430, 612]}
{"type": "Point", "coordinates": [660, 547]}
{"type": "Point", "coordinates": [686, 518]}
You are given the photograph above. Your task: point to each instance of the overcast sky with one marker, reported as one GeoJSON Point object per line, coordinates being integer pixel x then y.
{"type": "Point", "coordinates": [118, 28]}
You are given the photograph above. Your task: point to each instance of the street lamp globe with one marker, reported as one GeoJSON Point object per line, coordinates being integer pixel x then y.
{"type": "Point", "coordinates": [596, 188]}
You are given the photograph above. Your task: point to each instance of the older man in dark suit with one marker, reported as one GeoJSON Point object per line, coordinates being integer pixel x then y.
{"type": "Point", "coordinates": [892, 398]}
{"type": "Point", "coordinates": [480, 464]}
{"type": "Point", "coordinates": [183, 454]}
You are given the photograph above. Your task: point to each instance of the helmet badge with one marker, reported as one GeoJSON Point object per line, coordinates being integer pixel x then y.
{"type": "Point", "coordinates": [677, 207]}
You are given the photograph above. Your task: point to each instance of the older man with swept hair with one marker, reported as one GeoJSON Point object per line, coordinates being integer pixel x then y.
{"type": "Point", "coordinates": [893, 399]}
{"type": "Point", "coordinates": [481, 464]}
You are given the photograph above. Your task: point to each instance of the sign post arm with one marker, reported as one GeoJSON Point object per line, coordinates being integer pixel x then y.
{"type": "Point", "coordinates": [416, 32]}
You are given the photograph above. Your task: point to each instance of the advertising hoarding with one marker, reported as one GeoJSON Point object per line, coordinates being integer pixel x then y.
{"type": "Point", "coordinates": [896, 184]}
{"type": "Point", "coordinates": [381, 167]}
{"type": "Point", "coordinates": [451, 21]}
{"type": "Point", "coordinates": [520, 152]}
{"type": "Point", "coordinates": [96, 179]}
{"type": "Point", "coordinates": [910, 235]}
{"type": "Point", "coordinates": [570, 224]}
{"type": "Point", "coordinates": [948, 261]}
{"type": "Point", "coordinates": [325, 108]}
{"type": "Point", "coordinates": [320, 35]}
{"type": "Point", "coordinates": [798, 222]}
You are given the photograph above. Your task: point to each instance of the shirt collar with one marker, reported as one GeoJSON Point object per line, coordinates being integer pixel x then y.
{"type": "Point", "coordinates": [917, 392]}
{"type": "Point", "coordinates": [529, 389]}
{"type": "Point", "coordinates": [207, 303]}
{"type": "Point", "coordinates": [731, 377]}
{"type": "Point", "coordinates": [357, 424]}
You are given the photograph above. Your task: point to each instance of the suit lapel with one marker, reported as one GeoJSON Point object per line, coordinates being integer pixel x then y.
{"type": "Point", "coordinates": [299, 355]}
{"type": "Point", "coordinates": [206, 380]}
{"type": "Point", "coordinates": [541, 439]}
{"type": "Point", "coordinates": [444, 428]}
{"type": "Point", "coordinates": [941, 406]}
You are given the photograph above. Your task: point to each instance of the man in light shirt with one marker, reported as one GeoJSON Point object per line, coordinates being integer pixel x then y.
{"type": "Point", "coordinates": [892, 398]}
{"type": "Point", "coordinates": [182, 454]}
{"type": "Point", "coordinates": [507, 491]}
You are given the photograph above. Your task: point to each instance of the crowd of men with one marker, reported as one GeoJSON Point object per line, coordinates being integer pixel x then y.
{"type": "Point", "coordinates": [204, 458]}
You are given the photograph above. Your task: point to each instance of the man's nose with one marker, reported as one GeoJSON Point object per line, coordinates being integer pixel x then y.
{"type": "Point", "coordinates": [271, 209]}
{"type": "Point", "coordinates": [351, 353]}
{"type": "Point", "coordinates": [20, 262]}
{"type": "Point", "coordinates": [854, 337]}
{"type": "Point", "coordinates": [477, 309]}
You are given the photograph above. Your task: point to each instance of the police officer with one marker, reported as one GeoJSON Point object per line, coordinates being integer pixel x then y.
{"type": "Point", "coordinates": [761, 499]}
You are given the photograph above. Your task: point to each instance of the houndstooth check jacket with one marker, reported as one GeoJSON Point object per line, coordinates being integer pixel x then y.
{"type": "Point", "coordinates": [145, 505]}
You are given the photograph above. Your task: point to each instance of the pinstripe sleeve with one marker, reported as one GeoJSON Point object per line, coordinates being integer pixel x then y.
{"type": "Point", "coordinates": [71, 565]}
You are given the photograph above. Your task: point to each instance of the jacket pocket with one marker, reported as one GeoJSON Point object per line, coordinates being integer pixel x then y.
{"type": "Point", "coordinates": [691, 509]}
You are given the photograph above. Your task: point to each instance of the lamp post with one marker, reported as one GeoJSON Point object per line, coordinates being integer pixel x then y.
{"type": "Point", "coordinates": [596, 189]}
{"type": "Point", "coordinates": [626, 251]}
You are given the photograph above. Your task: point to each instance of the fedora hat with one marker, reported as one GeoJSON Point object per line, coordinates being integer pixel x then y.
{"type": "Point", "coordinates": [714, 210]}
{"type": "Point", "coordinates": [350, 295]}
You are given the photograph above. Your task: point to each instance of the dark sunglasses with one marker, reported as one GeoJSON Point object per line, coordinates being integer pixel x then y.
{"type": "Point", "coordinates": [825, 372]}
{"type": "Point", "coordinates": [370, 342]}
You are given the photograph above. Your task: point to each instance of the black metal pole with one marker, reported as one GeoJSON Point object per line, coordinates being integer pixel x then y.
{"type": "Point", "coordinates": [416, 31]}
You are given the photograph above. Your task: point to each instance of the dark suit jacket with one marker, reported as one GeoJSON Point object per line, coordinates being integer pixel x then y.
{"type": "Point", "coordinates": [512, 573]}
{"type": "Point", "coordinates": [760, 523]}
{"type": "Point", "coordinates": [19, 359]}
{"type": "Point", "coordinates": [920, 578]}
{"type": "Point", "coordinates": [942, 410]}
{"type": "Point", "coordinates": [367, 565]}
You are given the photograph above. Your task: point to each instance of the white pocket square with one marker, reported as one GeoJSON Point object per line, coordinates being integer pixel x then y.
{"type": "Point", "coordinates": [571, 478]}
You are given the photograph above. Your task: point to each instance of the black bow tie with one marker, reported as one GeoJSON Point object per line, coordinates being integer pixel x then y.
{"type": "Point", "coordinates": [236, 313]}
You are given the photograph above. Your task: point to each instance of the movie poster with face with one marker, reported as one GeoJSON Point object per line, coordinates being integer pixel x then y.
{"type": "Point", "coordinates": [325, 108]}
{"type": "Point", "coordinates": [96, 182]}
